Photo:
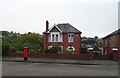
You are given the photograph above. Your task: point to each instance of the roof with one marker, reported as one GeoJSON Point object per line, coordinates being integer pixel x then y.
{"type": "Point", "coordinates": [113, 33]}
{"type": "Point", "coordinates": [66, 28]}
{"type": "Point", "coordinates": [96, 49]}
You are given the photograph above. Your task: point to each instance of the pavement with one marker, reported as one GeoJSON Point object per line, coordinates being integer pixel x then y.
{"type": "Point", "coordinates": [61, 61]}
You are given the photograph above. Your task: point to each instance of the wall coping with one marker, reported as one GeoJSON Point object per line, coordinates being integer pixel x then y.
{"type": "Point", "coordinates": [115, 49]}
{"type": "Point", "coordinates": [90, 48]}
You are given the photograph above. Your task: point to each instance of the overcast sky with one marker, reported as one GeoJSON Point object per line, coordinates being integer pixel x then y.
{"type": "Point", "coordinates": [91, 17]}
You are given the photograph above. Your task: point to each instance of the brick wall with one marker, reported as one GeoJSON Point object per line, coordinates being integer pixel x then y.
{"type": "Point", "coordinates": [102, 57]}
{"type": "Point", "coordinates": [116, 56]}
{"type": "Point", "coordinates": [119, 43]}
{"type": "Point", "coordinates": [62, 56]}
{"type": "Point", "coordinates": [58, 56]}
{"type": "Point", "coordinates": [111, 42]}
{"type": "Point", "coordinates": [45, 41]}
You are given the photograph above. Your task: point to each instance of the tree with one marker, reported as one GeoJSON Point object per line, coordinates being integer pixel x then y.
{"type": "Point", "coordinates": [88, 42]}
{"type": "Point", "coordinates": [31, 40]}
{"type": "Point", "coordinates": [5, 46]}
{"type": "Point", "coordinates": [5, 33]}
{"type": "Point", "coordinates": [96, 37]}
{"type": "Point", "coordinates": [16, 43]}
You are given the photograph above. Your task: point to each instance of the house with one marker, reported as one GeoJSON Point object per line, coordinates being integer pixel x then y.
{"type": "Point", "coordinates": [64, 35]}
{"type": "Point", "coordinates": [1, 36]}
{"type": "Point", "coordinates": [91, 42]}
{"type": "Point", "coordinates": [111, 41]}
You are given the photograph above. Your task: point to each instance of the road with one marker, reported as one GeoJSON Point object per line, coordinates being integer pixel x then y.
{"type": "Point", "coordinates": [49, 69]}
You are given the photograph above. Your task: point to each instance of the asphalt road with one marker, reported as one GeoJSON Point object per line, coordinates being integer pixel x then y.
{"type": "Point", "coordinates": [48, 69]}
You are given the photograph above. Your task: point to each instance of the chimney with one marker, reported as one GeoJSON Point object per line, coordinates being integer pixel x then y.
{"type": "Point", "coordinates": [47, 25]}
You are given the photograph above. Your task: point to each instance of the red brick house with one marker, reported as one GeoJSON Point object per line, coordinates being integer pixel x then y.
{"type": "Point", "coordinates": [112, 41]}
{"type": "Point", "coordinates": [64, 35]}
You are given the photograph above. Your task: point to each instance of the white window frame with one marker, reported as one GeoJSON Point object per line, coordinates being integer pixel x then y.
{"type": "Point", "coordinates": [59, 38]}
{"type": "Point", "coordinates": [71, 37]}
{"type": "Point", "coordinates": [56, 37]}
{"type": "Point", "coordinates": [53, 38]}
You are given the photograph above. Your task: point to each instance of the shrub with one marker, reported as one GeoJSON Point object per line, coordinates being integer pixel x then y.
{"type": "Point", "coordinates": [35, 51]}
{"type": "Point", "coordinates": [31, 50]}
{"type": "Point", "coordinates": [40, 50]}
{"type": "Point", "coordinates": [13, 49]}
{"type": "Point", "coordinates": [5, 50]}
{"type": "Point", "coordinates": [32, 40]}
{"type": "Point", "coordinates": [69, 52]}
{"type": "Point", "coordinates": [54, 49]}
{"type": "Point", "coordinates": [83, 50]}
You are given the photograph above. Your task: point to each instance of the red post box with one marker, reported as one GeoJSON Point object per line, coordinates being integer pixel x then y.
{"type": "Point", "coordinates": [25, 53]}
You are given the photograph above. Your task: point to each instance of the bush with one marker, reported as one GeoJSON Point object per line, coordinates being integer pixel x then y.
{"type": "Point", "coordinates": [51, 50]}
{"type": "Point", "coordinates": [5, 50]}
{"type": "Point", "coordinates": [32, 51]}
{"type": "Point", "coordinates": [83, 50]}
{"type": "Point", "coordinates": [13, 49]}
{"type": "Point", "coordinates": [32, 40]}
{"type": "Point", "coordinates": [69, 52]}
{"type": "Point", "coordinates": [54, 49]}
{"type": "Point", "coordinates": [40, 50]}
{"type": "Point", "coordinates": [35, 51]}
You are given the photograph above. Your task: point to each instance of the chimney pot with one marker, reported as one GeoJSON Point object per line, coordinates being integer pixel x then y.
{"type": "Point", "coordinates": [47, 25]}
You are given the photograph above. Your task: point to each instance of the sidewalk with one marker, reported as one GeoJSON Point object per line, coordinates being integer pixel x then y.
{"type": "Point", "coordinates": [61, 61]}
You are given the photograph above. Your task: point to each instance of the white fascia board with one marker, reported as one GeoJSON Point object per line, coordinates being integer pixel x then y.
{"type": "Point", "coordinates": [58, 29]}
{"type": "Point", "coordinates": [90, 48]}
{"type": "Point", "coordinates": [52, 28]}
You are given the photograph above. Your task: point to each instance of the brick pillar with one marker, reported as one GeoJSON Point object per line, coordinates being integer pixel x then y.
{"type": "Point", "coordinates": [115, 54]}
{"type": "Point", "coordinates": [90, 53]}
{"type": "Point", "coordinates": [45, 41]}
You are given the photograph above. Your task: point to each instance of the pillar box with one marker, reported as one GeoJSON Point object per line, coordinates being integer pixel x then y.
{"type": "Point", "coordinates": [25, 53]}
{"type": "Point", "coordinates": [90, 53]}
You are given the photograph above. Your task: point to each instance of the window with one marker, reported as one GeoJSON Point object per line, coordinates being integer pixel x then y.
{"type": "Point", "coordinates": [56, 37]}
{"type": "Point", "coordinates": [53, 38]}
{"type": "Point", "coordinates": [70, 37]}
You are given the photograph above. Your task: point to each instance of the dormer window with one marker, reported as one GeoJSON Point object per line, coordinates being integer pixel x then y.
{"type": "Point", "coordinates": [70, 37]}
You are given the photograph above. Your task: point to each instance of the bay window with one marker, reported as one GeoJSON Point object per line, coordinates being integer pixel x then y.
{"type": "Point", "coordinates": [55, 37]}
